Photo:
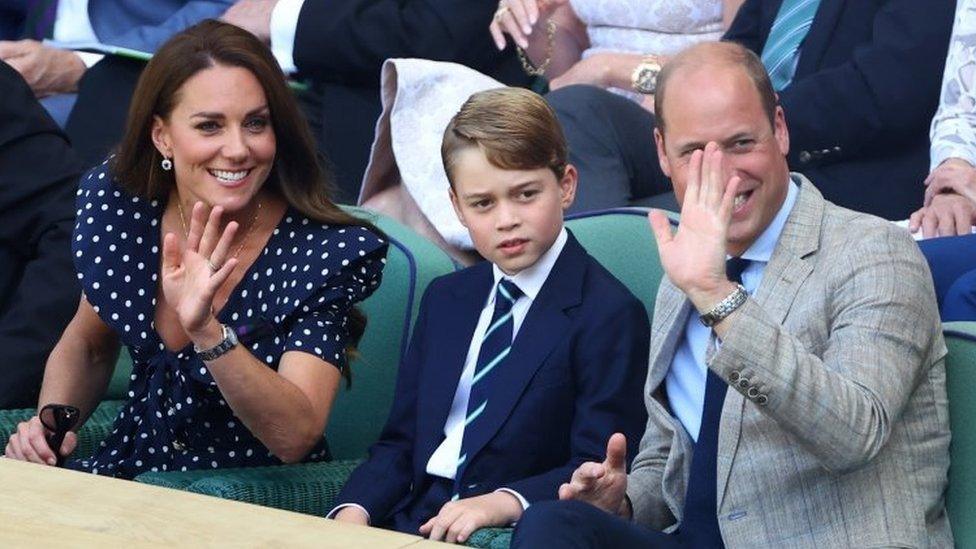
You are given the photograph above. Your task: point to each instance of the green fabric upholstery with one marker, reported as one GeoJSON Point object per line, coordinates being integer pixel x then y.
{"type": "Point", "coordinates": [961, 384]}
{"type": "Point", "coordinates": [491, 538]}
{"type": "Point", "coordinates": [306, 488]}
{"type": "Point", "coordinates": [98, 426]}
{"type": "Point", "coordinates": [359, 412]}
{"type": "Point", "coordinates": [621, 241]}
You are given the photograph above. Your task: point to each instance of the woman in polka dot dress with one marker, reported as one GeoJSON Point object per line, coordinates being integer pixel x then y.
{"type": "Point", "coordinates": [211, 224]}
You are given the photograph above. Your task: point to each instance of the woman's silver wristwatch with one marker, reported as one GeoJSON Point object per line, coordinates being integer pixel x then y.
{"type": "Point", "coordinates": [220, 349]}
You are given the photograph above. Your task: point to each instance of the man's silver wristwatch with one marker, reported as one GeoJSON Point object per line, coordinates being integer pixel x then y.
{"type": "Point", "coordinates": [725, 307]}
{"type": "Point", "coordinates": [218, 350]}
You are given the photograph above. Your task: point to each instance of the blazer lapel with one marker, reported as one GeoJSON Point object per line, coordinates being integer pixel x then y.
{"type": "Point", "coordinates": [818, 37]}
{"type": "Point", "coordinates": [788, 268]}
{"type": "Point", "coordinates": [544, 325]}
{"type": "Point", "coordinates": [671, 314]}
{"type": "Point", "coordinates": [452, 339]}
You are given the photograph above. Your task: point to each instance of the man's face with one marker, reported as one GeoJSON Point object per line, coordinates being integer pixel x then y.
{"type": "Point", "coordinates": [513, 216]}
{"type": "Point", "coordinates": [721, 104]}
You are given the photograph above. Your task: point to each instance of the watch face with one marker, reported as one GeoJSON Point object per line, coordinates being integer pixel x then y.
{"type": "Point", "coordinates": [646, 79]}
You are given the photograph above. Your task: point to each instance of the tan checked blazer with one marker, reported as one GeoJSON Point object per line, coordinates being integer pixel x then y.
{"type": "Point", "coordinates": [835, 429]}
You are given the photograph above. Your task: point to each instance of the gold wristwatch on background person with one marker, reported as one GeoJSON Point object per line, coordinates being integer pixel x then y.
{"type": "Point", "coordinates": [644, 77]}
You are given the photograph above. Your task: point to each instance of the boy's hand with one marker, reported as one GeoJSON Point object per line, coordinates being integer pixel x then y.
{"type": "Point", "coordinates": [457, 520]}
{"type": "Point", "coordinates": [352, 515]}
{"type": "Point", "coordinates": [603, 485]}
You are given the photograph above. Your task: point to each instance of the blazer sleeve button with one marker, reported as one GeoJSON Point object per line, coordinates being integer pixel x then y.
{"type": "Point", "coordinates": [762, 400]}
{"type": "Point", "coordinates": [734, 376]}
{"type": "Point", "coordinates": [743, 382]}
{"type": "Point", "coordinates": [752, 392]}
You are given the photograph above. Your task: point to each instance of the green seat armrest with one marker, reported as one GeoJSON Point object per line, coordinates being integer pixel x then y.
{"type": "Point", "coordinates": [491, 538]}
{"type": "Point", "coordinates": [309, 488]}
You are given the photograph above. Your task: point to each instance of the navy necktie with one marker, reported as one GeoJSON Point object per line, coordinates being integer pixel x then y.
{"type": "Point", "coordinates": [39, 18]}
{"type": "Point", "coordinates": [495, 346]}
{"type": "Point", "coordinates": [699, 527]}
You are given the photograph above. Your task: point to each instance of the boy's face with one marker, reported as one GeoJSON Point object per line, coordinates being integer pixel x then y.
{"type": "Point", "coordinates": [513, 216]}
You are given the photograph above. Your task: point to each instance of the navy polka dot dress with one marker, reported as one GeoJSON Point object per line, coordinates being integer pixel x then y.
{"type": "Point", "coordinates": [294, 297]}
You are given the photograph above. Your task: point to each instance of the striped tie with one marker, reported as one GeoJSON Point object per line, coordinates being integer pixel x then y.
{"type": "Point", "coordinates": [39, 18]}
{"type": "Point", "coordinates": [495, 346]}
{"type": "Point", "coordinates": [782, 49]}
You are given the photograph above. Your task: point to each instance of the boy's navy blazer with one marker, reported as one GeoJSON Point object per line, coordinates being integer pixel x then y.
{"type": "Point", "coordinates": [575, 376]}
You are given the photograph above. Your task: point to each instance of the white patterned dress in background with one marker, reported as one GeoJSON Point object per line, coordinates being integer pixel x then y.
{"type": "Point", "coordinates": [661, 27]}
{"type": "Point", "coordinates": [954, 125]}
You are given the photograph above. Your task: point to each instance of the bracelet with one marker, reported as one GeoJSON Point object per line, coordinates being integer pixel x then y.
{"type": "Point", "coordinates": [541, 69]}
{"type": "Point", "coordinates": [725, 307]}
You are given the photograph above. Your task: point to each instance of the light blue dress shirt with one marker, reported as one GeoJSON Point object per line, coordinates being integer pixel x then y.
{"type": "Point", "coordinates": [685, 382]}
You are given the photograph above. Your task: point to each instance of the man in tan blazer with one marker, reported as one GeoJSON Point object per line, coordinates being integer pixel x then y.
{"type": "Point", "coordinates": [812, 411]}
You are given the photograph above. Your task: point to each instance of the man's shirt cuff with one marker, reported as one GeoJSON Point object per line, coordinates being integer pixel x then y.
{"type": "Point", "coordinates": [284, 25]}
{"type": "Point", "coordinates": [89, 58]}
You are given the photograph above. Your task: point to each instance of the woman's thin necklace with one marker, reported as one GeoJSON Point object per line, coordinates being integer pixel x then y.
{"type": "Point", "coordinates": [250, 228]}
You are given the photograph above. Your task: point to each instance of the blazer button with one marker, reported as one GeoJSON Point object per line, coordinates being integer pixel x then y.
{"type": "Point", "coordinates": [734, 376]}
{"type": "Point", "coordinates": [743, 382]}
{"type": "Point", "coordinates": [825, 151]}
{"type": "Point", "coordinates": [752, 392]}
{"type": "Point", "coordinates": [804, 157]}
{"type": "Point", "coordinates": [836, 149]}
{"type": "Point", "coordinates": [762, 400]}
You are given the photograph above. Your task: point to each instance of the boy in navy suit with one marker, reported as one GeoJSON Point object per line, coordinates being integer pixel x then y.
{"type": "Point", "coordinates": [520, 367]}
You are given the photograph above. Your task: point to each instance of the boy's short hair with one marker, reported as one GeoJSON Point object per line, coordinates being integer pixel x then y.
{"type": "Point", "coordinates": [514, 127]}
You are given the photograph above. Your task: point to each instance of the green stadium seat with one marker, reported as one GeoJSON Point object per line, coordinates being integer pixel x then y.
{"type": "Point", "coordinates": [961, 385]}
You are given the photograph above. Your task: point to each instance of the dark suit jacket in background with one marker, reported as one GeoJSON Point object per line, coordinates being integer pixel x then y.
{"type": "Point", "coordinates": [340, 45]}
{"type": "Point", "coordinates": [38, 290]}
{"type": "Point", "coordinates": [858, 109]}
{"type": "Point", "coordinates": [573, 378]}
{"type": "Point", "coordinates": [862, 99]}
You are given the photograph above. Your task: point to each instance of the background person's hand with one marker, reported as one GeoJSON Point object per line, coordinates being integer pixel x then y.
{"type": "Point", "coordinates": [603, 485]}
{"type": "Point", "coordinates": [518, 18]}
{"type": "Point", "coordinates": [47, 70]}
{"type": "Point", "coordinates": [457, 520]}
{"type": "Point", "coordinates": [952, 176]}
{"type": "Point", "coordinates": [189, 283]}
{"type": "Point", "coordinates": [253, 16]}
{"type": "Point", "coordinates": [29, 443]}
{"type": "Point", "coordinates": [947, 214]}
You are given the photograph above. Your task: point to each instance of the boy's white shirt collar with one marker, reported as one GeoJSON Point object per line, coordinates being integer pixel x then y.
{"type": "Point", "coordinates": [531, 279]}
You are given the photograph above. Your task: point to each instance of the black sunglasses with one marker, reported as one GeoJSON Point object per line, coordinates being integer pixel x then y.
{"type": "Point", "coordinates": [58, 419]}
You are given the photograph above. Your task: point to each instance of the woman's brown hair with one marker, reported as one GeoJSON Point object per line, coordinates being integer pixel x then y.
{"type": "Point", "coordinates": [296, 173]}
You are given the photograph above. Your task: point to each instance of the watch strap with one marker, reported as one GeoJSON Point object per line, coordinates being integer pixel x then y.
{"type": "Point", "coordinates": [725, 307]}
{"type": "Point", "coordinates": [218, 350]}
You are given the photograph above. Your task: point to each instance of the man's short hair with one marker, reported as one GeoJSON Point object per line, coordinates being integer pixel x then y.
{"type": "Point", "coordinates": [717, 54]}
{"type": "Point", "coordinates": [514, 127]}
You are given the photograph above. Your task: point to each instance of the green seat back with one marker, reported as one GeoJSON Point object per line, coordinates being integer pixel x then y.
{"type": "Point", "coordinates": [360, 412]}
{"type": "Point", "coordinates": [961, 386]}
{"type": "Point", "coordinates": [621, 240]}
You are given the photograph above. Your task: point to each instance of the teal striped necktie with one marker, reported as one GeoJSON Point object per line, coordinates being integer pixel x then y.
{"type": "Point", "coordinates": [782, 49]}
{"type": "Point", "coordinates": [495, 346]}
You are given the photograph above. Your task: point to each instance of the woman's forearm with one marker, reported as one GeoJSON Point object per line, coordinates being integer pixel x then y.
{"type": "Point", "coordinates": [80, 365]}
{"type": "Point", "coordinates": [274, 408]}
